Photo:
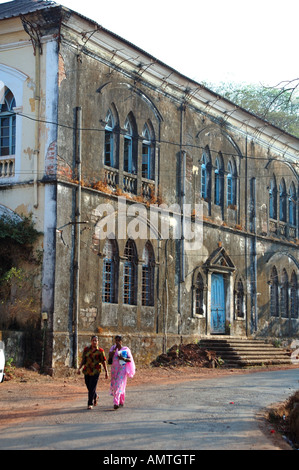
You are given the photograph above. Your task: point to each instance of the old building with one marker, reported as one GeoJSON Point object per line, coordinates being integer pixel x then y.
{"type": "Point", "coordinates": [168, 213]}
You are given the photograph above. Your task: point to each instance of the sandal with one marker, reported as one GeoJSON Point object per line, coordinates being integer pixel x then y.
{"type": "Point", "coordinates": [89, 407]}
{"type": "Point", "coordinates": [95, 401]}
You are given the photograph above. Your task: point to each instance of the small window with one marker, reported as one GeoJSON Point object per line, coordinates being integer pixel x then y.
{"type": "Point", "coordinates": [231, 186]}
{"type": "Point", "coordinates": [110, 272]}
{"type": "Point", "coordinates": [239, 301]}
{"type": "Point", "coordinates": [130, 274]}
{"type": "Point", "coordinates": [109, 141]}
{"type": "Point", "coordinates": [294, 296]}
{"type": "Point", "coordinates": [273, 200]}
{"type": "Point", "coordinates": [292, 206]}
{"type": "Point", "coordinates": [148, 275]}
{"type": "Point", "coordinates": [147, 155]}
{"type": "Point", "coordinates": [282, 202]}
{"type": "Point", "coordinates": [199, 295]}
{"type": "Point", "coordinates": [205, 176]}
{"type": "Point", "coordinates": [274, 301]}
{"type": "Point", "coordinates": [7, 125]}
{"type": "Point", "coordinates": [130, 149]}
{"type": "Point", "coordinates": [218, 183]}
{"type": "Point", "coordinates": [284, 295]}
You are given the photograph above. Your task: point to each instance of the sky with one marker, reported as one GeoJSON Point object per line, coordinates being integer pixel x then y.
{"type": "Point", "coordinates": [208, 41]}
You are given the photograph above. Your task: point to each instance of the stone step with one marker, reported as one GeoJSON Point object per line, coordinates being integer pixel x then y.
{"type": "Point", "coordinates": [245, 353]}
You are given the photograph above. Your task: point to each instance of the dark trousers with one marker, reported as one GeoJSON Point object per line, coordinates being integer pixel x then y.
{"type": "Point", "coordinates": [91, 382]}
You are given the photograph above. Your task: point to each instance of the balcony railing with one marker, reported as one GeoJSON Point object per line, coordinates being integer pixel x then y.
{"type": "Point", "coordinates": [7, 167]}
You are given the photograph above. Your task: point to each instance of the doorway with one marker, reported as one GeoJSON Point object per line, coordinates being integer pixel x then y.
{"type": "Point", "coordinates": [217, 304]}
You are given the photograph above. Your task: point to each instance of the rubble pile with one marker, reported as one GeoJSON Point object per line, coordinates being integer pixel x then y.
{"type": "Point", "coordinates": [187, 355]}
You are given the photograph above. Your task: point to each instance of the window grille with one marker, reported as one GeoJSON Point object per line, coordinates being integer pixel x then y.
{"type": "Point", "coordinates": [284, 295]}
{"type": "Point", "coordinates": [148, 276]}
{"type": "Point", "coordinates": [274, 301]}
{"type": "Point", "coordinates": [130, 274]}
{"type": "Point", "coordinates": [110, 272]}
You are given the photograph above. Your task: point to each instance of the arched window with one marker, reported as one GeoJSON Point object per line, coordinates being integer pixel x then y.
{"type": "Point", "coordinates": [130, 151]}
{"type": "Point", "coordinates": [239, 300]}
{"type": "Point", "coordinates": [110, 272]}
{"type": "Point", "coordinates": [148, 275]}
{"type": "Point", "coordinates": [7, 124]}
{"type": "Point", "coordinates": [293, 206]}
{"type": "Point", "coordinates": [110, 159]}
{"type": "Point", "coordinates": [148, 155]}
{"type": "Point", "coordinates": [218, 182]}
{"type": "Point", "coordinates": [231, 185]}
{"type": "Point", "coordinates": [273, 199]}
{"type": "Point", "coordinates": [199, 295]}
{"type": "Point", "coordinates": [274, 300]}
{"type": "Point", "coordinates": [294, 296]}
{"type": "Point", "coordinates": [284, 295]}
{"type": "Point", "coordinates": [205, 176]}
{"type": "Point", "coordinates": [130, 273]}
{"type": "Point", "coordinates": [282, 201]}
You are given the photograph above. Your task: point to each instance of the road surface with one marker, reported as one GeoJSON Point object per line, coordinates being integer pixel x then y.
{"type": "Point", "coordinates": [210, 414]}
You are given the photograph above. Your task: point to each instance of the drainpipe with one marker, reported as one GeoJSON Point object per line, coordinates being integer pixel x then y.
{"type": "Point", "coordinates": [37, 119]}
{"type": "Point", "coordinates": [78, 140]}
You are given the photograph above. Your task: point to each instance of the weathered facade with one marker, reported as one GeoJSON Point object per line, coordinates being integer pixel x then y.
{"type": "Point", "coordinates": [104, 128]}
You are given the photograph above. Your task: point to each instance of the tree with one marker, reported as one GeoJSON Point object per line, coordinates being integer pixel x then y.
{"type": "Point", "coordinates": [278, 105]}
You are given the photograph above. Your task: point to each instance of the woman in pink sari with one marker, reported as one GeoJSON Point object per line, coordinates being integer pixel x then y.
{"type": "Point", "coordinates": [123, 365]}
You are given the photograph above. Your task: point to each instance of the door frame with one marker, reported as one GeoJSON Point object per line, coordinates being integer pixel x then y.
{"type": "Point", "coordinates": [228, 279]}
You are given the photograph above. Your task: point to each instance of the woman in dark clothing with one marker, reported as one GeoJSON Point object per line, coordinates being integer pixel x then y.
{"type": "Point", "coordinates": [93, 358]}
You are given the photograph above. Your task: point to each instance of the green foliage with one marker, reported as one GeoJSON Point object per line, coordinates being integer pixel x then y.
{"type": "Point", "coordinates": [22, 232]}
{"type": "Point", "coordinates": [277, 106]}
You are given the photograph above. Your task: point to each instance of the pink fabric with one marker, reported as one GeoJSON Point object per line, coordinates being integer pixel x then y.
{"type": "Point", "coordinates": [119, 375]}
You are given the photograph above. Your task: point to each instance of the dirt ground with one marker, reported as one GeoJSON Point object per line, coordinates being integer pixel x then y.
{"type": "Point", "coordinates": [29, 394]}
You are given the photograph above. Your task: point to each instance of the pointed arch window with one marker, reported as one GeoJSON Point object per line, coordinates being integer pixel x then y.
{"type": "Point", "coordinates": [282, 201]}
{"type": "Point", "coordinates": [110, 272]}
{"type": "Point", "coordinates": [273, 200]}
{"type": "Point", "coordinates": [205, 176]}
{"type": "Point", "coordinates": [130, 273]}
{"type": "Point", "coordinates": [274, 300]}
{"type": "Point", "coordinates": [148, 275]}
{"type": "Point", "coordinates": [148, 169]}
{"type": "Point", "coordinates": [294, 296]}
{"type": "Point", "coordinates": [130, 151]}
{"type": "Point", "coordinates": [110, 159]}
{"type": "Point", "coordinates": [7, 124]}
{"type": "Point", "coordinates": [239, 300]}
{"type": "Point", "coordinates": [231, 185]}
{"type": "Point", "coordinates": [293, 206]}
{"type": "Point", "coordinates": [218, 182]}
{"type": "Point", "coordinates": [199, 295]}
{"type": "Point", "coordinates": [284, 295]}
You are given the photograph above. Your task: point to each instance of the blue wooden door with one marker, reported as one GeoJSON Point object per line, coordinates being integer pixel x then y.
{"type": "Point", "coordinates": [217, 304]}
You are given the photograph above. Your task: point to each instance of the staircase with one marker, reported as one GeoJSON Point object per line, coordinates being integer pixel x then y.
{"type": "Point", "coordinates": [239, 353]}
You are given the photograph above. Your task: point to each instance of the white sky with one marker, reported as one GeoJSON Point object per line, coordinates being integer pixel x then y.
{"type": "Point", "coordinates": [208, 40]}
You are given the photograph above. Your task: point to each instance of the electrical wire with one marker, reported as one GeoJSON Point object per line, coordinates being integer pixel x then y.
{"type": "Point", "coordinates": [161, 141]}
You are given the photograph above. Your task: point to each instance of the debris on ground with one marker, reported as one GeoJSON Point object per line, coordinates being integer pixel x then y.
{"type": "Point", "coordinates": [285, 417]}
{"type": "Point", "coordinates": [188, 355]}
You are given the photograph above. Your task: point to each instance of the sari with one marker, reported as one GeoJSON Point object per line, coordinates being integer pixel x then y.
{"type": "Point", "coordinates": [119, 373]}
